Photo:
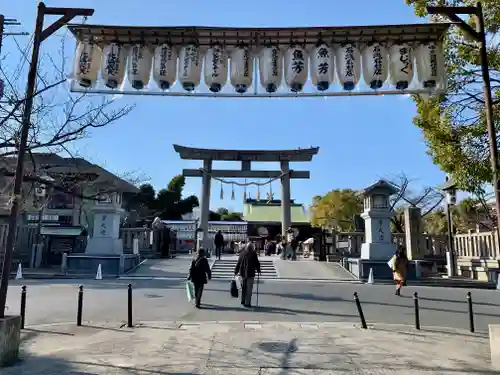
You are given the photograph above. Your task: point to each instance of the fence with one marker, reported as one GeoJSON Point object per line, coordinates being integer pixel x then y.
{"type": "Point", "coordinates": [350, 242]}
{"type": "Point", "coordinates": [144, 235]}
{"type": "Point", "coordinates": [477, 245]}
{"type": "Point", "coordinates": [26, 237]}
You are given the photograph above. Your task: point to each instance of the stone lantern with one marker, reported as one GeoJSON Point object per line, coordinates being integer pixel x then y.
{"type": "Point", "coordinates": [377, 214]}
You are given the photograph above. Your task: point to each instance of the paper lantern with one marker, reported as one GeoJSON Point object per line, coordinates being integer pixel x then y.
{"type": "Point", "coordinates": [86, 64]}
{"type": "Point", "coordinates": [139, 66]}
{"type": "Point", "coordinates": [113, 65]}
{"type": "Point", "coordinates": [241, 69]}
{"type": "Point", "coordinates": [348, 63]}
{"type": "Point", "coordinates": [430, 64]}
{"type": "Point", "coordinates": [215, 68]}
{"type": "Point", "coordinates": [190, 67]}
{"type": "Point", "coordinates": [375, 65]}
{"type": "Point", "coordinates": [270, 68]}
{"type": "Point", "coordinates": [400, 66]}
{"type": "Point", "coordinates": [165, 66]}
{"type": "Point", "coordinates": [296, 67]}
{"type": "Point", "coordinates": [322, 67]}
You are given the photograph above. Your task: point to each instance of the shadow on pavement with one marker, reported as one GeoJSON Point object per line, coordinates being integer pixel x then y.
{"type": "Point", "coordinates": [452, 301]}
{"type": "Point", "coordinates": [107, 283]}
{"type": "Point", "coordinates": [314, 297]}
{"type": "Point", "coordinates": [272, 310]}
{"type": "Point", "coordinates": [49, 365]}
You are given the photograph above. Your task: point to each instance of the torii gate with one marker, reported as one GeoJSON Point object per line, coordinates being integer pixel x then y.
{"type": "Point", "coordinates": [284, 157]}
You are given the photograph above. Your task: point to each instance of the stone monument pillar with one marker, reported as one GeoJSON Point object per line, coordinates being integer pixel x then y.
{"type": "Point", "coordinates": [377, 214]}
{"type": "Point", "coordinates": [415, 244]}
{"type": "Point", "coordinates": [105, 237]}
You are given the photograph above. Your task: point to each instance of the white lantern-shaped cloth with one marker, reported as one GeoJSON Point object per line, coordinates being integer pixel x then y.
{"type": "Point", "coordinates": [270, 68]}
{"type": "Point", "coordinates": [165, 66]}
{"type": "Point", "coordinates": [322, 67]}
{"type": "Point", "coordinates": [296, 67]}
{"type": "Point", "coordinates": [430, 64]}
{"type": "Point", "coordinates": [86, 64]}
{"type": "Point", "coordinates": [400, 65]}
{"type": "Point", "coordinates": [113, 66]}
{"type": "Point", "coordinates": [375, 65]}
{"type": "Point", "coordinates": [215, 68]}
{"type": "Point", "coordinates": [348, 63]}
{"type": "Point", "coordinates": [139, 66]}
{"type": "Point", "coordinates": [241, 69]}
{"type": "Point", "coordinates": [190, 67]}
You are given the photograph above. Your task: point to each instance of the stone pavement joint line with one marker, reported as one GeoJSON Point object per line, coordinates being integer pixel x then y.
{"type": "Point", "coordinates": [179, 348]}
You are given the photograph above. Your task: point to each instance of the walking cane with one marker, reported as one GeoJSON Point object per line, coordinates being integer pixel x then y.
{"type": "Point", "coordinates": [257, 289]}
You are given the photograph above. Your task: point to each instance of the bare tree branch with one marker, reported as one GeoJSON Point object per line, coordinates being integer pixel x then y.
{"type": "Point", "coordinates": [427, 200]}
{"type": "Point", "coordinates": [57, 118]}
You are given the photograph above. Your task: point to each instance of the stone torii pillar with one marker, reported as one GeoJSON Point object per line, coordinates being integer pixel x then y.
{"type": "Point", "coordinates": [206, 180]}
{"type": "Point", "coordinates": [286, 214]}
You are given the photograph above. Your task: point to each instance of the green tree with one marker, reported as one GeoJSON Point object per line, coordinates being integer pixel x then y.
{"type": "Point", "coordinates": [223, 214]}
{"type": "Point", "coordinates": [465, 215]}
{"type": "Point", "coordinates": [168, 203]}
{"type": "Point", "coordinates": [454, 125]}
{"type": "Point", "coordinates": [336, 209]}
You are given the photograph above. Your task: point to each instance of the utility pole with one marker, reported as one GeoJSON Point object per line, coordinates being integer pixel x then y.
{"type": "Point", "coordinates": [479, 35]}
{"type": "Point", "coordinates": [6, 22]}
{"type": "Point", "coordinates": [41, 33]}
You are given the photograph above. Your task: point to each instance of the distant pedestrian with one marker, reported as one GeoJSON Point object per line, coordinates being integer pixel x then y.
{"type": "Point", "coordinates": [291, 242]}
{"type": "Point", "coordinates": [399, 266]}
{"type": "Point", "coordinates": [247, 267]}
{"type": "Point", "coordinates": [198, 274]}
{"type": "Point", "coordinates": [219, 244]}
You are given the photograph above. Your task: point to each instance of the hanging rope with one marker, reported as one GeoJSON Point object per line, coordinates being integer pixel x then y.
{"type": "Point", "coordinates": [245, 184]}
{"type": "Point", "coordinates": [245, 192]}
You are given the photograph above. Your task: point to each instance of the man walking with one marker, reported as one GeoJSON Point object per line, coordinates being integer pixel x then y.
{"type": "Point", "coordinates": [219, 244]}
{"type": "Point", "coordinates": [198, 273]}
{"type": "Point", "coordinates": [248, 265]}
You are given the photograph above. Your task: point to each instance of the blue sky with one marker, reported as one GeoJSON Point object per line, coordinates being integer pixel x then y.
{"type": "Point", "coordinates": [361, 139]}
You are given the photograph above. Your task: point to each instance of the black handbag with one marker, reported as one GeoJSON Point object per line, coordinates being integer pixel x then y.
{"type": "Point", "coordinates": [234, 289]}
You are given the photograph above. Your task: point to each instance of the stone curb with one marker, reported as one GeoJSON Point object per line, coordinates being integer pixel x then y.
{"type": "Point", "coordinates": [252, 324]}
{"type": "Point", "coordinates": [439, 284]}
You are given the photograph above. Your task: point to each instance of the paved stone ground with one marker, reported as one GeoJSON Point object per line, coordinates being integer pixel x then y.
{"type": "Point", "coordinates": [177, 267]}
{"type": "Point", "coordinates": [250, 348]}
{"type": "Point", "coordinates": [304, 269]}
{"type": "Point", "coordinates": [165, 300]}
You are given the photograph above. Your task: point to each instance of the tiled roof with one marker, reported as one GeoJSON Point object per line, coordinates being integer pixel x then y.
{"type": "Point", "coordinates": [61, 166]}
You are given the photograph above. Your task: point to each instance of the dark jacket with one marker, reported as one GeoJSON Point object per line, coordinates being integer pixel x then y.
{"type": "Point", "coordinates": [248, 264]}
{"type": "Point", "coordinates": [199, 271]}
{"type": "Point", "coordinates": [219, 239]}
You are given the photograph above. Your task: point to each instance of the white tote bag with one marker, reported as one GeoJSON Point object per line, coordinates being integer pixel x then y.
{"type": "Point", "coordinates": [391, 262]}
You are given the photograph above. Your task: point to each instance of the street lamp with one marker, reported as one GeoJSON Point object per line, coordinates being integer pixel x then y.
{"type": "Point", "coordinates": [450, 190]}
{"type": "Point", "coordinates": [41, 34]}
{"type": "Point", "coordinates": [479, 35]}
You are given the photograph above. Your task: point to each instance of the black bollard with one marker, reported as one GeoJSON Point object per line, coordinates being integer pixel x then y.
{"type": "Point", "coordinates": [417, 312]}
{"type": "Point", "coordinates": [23, 306]}
{"type": "Point", "coordinates": [360, 311]}
{"type": "Point", "coordinates": [471, 313]}
{"type": "Point", "coordinates": [129, 307]}
{"type": "Point", "coordinates": [79, 312]}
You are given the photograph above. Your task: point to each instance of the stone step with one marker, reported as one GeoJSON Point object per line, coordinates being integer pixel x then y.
{"type": "Point", "coordinates": [224, 269]}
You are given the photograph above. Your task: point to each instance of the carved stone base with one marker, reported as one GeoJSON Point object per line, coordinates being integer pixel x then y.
{"type": "Point", "coordinates": [10, 339]}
